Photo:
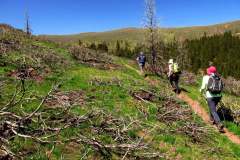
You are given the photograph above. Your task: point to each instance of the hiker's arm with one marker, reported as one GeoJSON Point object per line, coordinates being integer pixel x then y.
{"type": "Point", "coordinates": [203, 85]}
{"type": "Point", "coordinates": [169, 70]}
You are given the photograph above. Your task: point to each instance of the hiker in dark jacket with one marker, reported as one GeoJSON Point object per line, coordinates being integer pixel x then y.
{"type": "Point", "coordinates": [213, 96]}
{"type": "Point", "coordinates": [141, 59]}
{"type": "Point", "coordinates": [174, 75]}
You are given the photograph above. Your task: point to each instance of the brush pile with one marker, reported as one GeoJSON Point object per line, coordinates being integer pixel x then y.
{"type": "Point", "coordinates": [188, 78]}
{"type": "Point", "coordinates": [46, 124]}
{"type": "Point", "coordinates": [171, 112]}
{"type": "Point", "coordinates": [96, 81]}
{"type": "Point", "coordinates": [92, 57]}
{"type": "Point", "coordinates": [232, 86]}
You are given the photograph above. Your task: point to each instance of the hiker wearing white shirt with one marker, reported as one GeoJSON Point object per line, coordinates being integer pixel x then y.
{"type": "Point", "coordinates": [212, 86]}
{"type": "Point", "coordinates": [174, 75]}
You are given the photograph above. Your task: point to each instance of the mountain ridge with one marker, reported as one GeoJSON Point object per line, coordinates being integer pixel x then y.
{"type": "Point", "coordinates": [137, 34]}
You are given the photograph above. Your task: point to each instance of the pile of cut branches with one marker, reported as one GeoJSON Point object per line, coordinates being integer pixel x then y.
{"type": "Point", "coordinates": [47, 125]}
{"type": "Point", "coordinates": [16, 50]}
{"type": "Point", "coordinates": [171, 112]}
{"type": "Point", "coordinates": [97, 81]}
{"type": "Point", "coordinates": [198, 133]}
{"type": "Point", "coordinates": [92, 57]}
{"type": "Point", "coordinates": [229, 110]}
{"type": "Point", "coordinates": [232, 86]}
{"type": "Point", "coordinates": [188, 78]}
{"type": "Point", "coordinates": [144, 95]}
{"type": "Point", "coordinates": [9, 42]}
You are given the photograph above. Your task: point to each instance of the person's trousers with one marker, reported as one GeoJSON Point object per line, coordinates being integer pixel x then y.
{"type": "Point", "coordinates": [174, 79]}
{"type": "Point", "coordinates": [141, 66]}
{"type": "Point", "coordinates": [212, 104]}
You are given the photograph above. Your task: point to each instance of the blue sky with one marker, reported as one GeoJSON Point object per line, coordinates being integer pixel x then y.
{"type": "Point", "coordinates": [75, 16]}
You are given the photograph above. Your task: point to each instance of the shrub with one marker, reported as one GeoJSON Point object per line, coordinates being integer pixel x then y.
{"type": "Point", "coordinates": [232, 86]}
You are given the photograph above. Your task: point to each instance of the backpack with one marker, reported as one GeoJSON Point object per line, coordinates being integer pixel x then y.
{"type": "Point", "coordinates": [215, 84]}
{"type": "Point", "coordinates": [176, 68]}
{"type": "Point", "coordinates": [142, 59]}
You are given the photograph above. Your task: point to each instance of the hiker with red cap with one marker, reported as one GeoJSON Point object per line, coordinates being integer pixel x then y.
{"type": "Point", "coordinates": [212, 85]}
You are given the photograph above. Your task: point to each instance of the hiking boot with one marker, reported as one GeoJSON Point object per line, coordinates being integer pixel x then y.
{"type": "Point", "coordinates": [212, 121]}
{"type": "Point", "coordinates": [174, 90]}
{"type": "Point", "coordinates": [178, 91]}
{"type": "Point", "coordinates": [220, 127]}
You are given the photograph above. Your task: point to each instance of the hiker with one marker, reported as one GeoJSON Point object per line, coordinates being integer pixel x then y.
{"type": "Point", "coordinates": [174, 75]}
{"type": "Point", "coordinates": [212, 85]}
{"type": "Point", "coordinates": [141, 59]}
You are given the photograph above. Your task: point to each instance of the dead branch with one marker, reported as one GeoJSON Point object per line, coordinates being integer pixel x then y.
{"type": "Point", "coordinates": [43, 100]}
{"type": "Point", "coordinates": [12, 102]}
{"type": "Point", "coordinates": [197, 133]}
{"type": "Point", "coordinates": [44, 126]}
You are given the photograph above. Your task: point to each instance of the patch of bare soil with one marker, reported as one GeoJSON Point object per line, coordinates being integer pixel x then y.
{"type": "Point", "coordinates": [66, 99]}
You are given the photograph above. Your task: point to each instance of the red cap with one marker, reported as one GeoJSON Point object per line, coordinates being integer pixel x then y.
{"type": "Point", "coordinates": [211, 70]}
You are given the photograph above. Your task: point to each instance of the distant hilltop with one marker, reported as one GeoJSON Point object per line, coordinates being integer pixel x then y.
{"type": "Point", "coordinates": [137, 34]}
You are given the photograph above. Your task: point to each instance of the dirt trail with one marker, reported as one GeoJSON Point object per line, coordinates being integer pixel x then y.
{"type": "Point", "coordinates": [130, 67]}
{"type": "Point", "coordinates": [197, 108]}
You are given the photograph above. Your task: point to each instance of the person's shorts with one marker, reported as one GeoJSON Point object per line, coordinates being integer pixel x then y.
{"type": "Point", "coordinates": [174, 77]}
{"type": "Point", "coordinates": [141, 64]}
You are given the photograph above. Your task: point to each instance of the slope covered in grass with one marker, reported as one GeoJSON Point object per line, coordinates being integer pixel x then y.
{"type": "Point", "coordinates": [137, 35]}
{"type": "Point", "coordinates": [96, 113]}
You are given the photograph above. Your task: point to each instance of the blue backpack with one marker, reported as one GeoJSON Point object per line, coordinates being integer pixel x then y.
{"type": "Point", "coordinates": [142, 59]}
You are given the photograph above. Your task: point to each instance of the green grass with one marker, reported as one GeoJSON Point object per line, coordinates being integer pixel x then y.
{"type": "Point", "coordinates": [117, 101]}
{"type": "Point", "coordinates": [232, 127]}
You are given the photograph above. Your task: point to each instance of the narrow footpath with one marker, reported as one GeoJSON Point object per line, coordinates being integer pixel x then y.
{"type": "Point", "coordinates": [197, 108]}
{"type": "Point", "coordinates": [201, 112]}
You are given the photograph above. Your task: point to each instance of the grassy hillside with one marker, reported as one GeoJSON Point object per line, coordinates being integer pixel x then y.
{"type": "Point", "coordinates": [137, 35]}
{"type": "Point", "coordinates": [99, 109]}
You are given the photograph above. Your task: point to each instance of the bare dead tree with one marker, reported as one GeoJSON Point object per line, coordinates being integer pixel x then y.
{"type": "Point", "coordinates": [27, 24]}
{"type": "Point", "coordinates": [150, 23]}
